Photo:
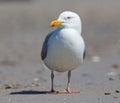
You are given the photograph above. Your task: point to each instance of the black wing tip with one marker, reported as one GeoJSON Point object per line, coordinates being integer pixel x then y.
{"type": "Point", "coordinates": [84, 54]}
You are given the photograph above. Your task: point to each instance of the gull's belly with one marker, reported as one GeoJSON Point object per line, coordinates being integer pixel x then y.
{"type": "Point", "coordinates": [64, 55]}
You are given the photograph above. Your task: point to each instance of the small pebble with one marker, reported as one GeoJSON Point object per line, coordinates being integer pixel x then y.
{"type": "Point", "coordinates": [111, 78]}
{"type": "Point", "coordinates": [107, 93]}
{"type": "Point", "coordinates": [115, 66]}
{"type": "Point", "coordinates": [13, 86]}
{"type": "Point", "coordinates": [117, 91]}
{"type": "Point", "coordinates": [96, 59]}
{"type": "Point", "coordinates": [36, 79]}
{"type": "Point", "coordinates": [6, 86]}
{"type": "Point", "coordinates": [35, 85]}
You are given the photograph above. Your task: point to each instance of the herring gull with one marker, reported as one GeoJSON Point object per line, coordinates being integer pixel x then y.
{"type": "Point", "coordinates": [64, 48]}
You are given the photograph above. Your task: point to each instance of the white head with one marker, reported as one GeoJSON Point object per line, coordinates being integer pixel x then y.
{"type": "Point", "coordinates": [68, 19]}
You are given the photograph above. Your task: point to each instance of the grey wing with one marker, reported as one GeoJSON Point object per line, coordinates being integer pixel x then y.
{"type": "Point", "coordinates": [45, 47]}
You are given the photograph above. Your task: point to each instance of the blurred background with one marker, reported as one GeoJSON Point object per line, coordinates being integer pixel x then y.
{"type": "Point", "coordinates": [25, 23]}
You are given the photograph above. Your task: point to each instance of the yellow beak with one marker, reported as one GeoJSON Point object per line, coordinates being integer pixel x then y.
{"type": "Point", "coordinates": [55, 23]}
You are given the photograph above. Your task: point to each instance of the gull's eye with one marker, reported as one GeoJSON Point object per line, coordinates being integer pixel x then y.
{"type": "Point", "coordinates": [68, 17]}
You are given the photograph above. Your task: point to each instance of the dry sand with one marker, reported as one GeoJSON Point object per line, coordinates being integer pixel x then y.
{"type": "Point", "coordinates": [23, 27]}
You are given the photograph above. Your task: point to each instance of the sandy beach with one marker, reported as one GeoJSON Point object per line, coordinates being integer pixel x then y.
{"type": "Point", "coordinates": [23, 27]}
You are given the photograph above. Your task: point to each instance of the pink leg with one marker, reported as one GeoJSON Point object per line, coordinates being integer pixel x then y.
{"type": "Point", "coordinates": [52, 81]}
{"type": "Point", "coordinates": [68, 83]}
{"type": "Point", "coordinates": [52, 84]}
{"type": "Point", "coordinates": [68, 90]}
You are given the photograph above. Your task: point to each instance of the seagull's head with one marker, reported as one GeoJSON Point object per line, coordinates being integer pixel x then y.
{"type": "Point", "coordinates": [67, 19]}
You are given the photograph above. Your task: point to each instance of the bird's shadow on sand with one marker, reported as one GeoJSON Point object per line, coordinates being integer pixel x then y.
{"type": "Point", "coordinates": [29, 92]}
